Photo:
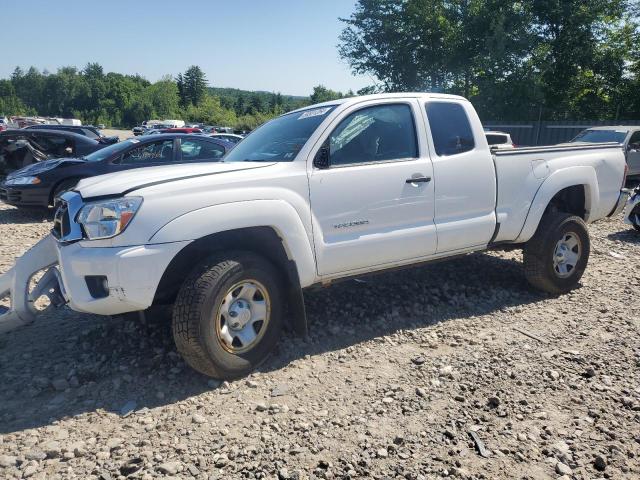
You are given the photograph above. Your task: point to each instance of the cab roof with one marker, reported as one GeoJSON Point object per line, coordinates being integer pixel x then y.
{"type": "Point", "coordinates": [382, 96]}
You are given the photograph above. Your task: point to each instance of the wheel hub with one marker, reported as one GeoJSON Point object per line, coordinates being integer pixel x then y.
{"type": "Point", "coordinates": [243, 316]}
{"type": "Point", "coordinates": [239, 314]}
{"type": "Point", "coordinates": [567, 254]}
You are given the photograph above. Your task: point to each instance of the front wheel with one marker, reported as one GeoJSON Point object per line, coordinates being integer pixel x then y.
{"type": "Point", "coordinates": [227, 317]}
{"type": "Point", "coordinates": [556, 256]}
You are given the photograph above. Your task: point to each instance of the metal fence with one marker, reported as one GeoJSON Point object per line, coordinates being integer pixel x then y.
{"type": "Point", "coordinates": [547, 132]}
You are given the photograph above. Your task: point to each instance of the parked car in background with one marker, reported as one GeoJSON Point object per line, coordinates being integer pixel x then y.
{"type": "Point", "coordinates": [628, 136]}
{"type": "Point", "coordinates": [229, 137]}
{"type": "Point", "coordinates": [101, 126]}
{"type": "Point", "coordinates": [139, 130]}
{"type": "Point", "coordinates": [38, 185]}
{"type": "Point", "coordinates": [499, 140]}
{"type": "Point", "coordinates": [86, 130]}
{"type": "Point", "coordinates": [20, 148]}
{"type": "Point", "coordinates": [4, 123]}
{"type": "Point", "coordinates": [155, 129]}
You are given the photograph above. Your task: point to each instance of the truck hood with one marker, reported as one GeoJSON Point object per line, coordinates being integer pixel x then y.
{"type": "Point", "coordinates": [121, 183]}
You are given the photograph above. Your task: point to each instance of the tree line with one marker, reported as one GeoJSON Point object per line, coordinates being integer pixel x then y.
{"type": "Point", "coordinates": [516, 60]}
{"type": "Point", "coordinates": [120, 100]}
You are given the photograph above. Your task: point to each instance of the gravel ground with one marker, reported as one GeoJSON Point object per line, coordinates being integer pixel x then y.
{"type": "Point", "coordinates": [457, 369]}
{"type": "Point", "coordinates": [122, 134]}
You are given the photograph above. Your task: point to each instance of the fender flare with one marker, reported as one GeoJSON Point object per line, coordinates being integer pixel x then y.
{"type": "Point", "coordinates": [557, 181]}
{"type": "Point", "coordinates": [276, 214]}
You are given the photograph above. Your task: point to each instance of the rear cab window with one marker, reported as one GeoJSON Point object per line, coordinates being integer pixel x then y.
{"type": "Point", "coordinates": [495, 139]}
{"type": "Point", "coordinates": [450, 128]}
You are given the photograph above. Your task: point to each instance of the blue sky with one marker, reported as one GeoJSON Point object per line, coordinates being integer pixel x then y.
{"type": "Point", "coordinates": [275, 45]}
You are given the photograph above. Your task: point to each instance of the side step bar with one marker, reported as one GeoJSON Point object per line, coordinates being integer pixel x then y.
{"type": "Point", "coordinates": [15, 284]}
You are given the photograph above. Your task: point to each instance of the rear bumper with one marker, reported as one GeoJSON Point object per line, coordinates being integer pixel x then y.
{"type": "Point", "coordinates": [632, 206]}
{"type": "Point", "coordinates": [622, 201]}
{"type": "Point", "coordinates": [132, 275]}
{"type": "Point", "coordinates": [23, 196]}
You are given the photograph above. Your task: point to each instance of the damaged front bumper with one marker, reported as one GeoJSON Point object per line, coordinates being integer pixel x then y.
{"type": "Point", "coordinates": [98, 280]}
{"type": "Point", "coordinates": [15, 285]}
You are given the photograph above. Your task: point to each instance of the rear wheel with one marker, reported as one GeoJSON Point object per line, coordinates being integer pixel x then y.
{"type": "Point", "coordinates": [227, 317]}
{"type": "Point", "coordinates": [556, 256]}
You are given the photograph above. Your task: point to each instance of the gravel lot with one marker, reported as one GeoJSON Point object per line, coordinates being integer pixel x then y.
{"type": "Point", "coordinates": [402, 375]}
{"type": "Point", "coordinates": [122, 134]}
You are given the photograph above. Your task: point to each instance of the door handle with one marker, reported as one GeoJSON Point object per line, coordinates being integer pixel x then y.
{"type": "Point", "coordinates": [418, 180]}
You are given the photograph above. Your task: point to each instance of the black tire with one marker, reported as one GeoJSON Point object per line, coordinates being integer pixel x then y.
{"type": "Point", "coordinates": [195, 314]}
{"type": "Point", "coordinates": [539, 251]}
{"type": "Point", "coordinates": [636, 212]}
{"type": "Point", "coordinates": [62, 187]}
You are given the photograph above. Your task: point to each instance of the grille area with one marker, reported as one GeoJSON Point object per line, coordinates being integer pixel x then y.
{"type": "Point", "coordinates": [10, 195]}
{"type": "Point", "coordinates": [65, 228]}
{"type": "Point", "coordinates": [61, 221]}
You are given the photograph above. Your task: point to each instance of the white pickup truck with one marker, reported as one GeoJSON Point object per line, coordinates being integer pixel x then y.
{"type": "Point", "coordinates": [324, 193]}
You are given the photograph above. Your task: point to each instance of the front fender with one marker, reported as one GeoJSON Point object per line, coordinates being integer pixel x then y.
{"type": "Point", "coordinates": [559, 180]}
{"type": "Point", "coordinates": [277, 214]}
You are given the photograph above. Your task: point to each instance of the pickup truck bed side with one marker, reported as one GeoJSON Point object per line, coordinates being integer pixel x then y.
{"type": "Point", "coordinates": [546, 171]}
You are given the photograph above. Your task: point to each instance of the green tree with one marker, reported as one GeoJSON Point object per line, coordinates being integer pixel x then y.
{"type": "Point", "coordinates": [192, 85]}
{"type": "Point", "coordinates": [568, 57]}
{"type": "Point", "coordinates": [323, 94]}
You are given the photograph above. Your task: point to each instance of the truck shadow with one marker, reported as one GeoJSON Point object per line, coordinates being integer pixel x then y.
{"type": "Point", "coordinates": [71, 364]}
{"type": "Point", "coordinates": [14, 215]}
{"type": "Point", "coordinates": [629, 236]}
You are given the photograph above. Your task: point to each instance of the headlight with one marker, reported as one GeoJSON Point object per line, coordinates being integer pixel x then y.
{"type": "Point", "coordinates": [23, 181]}
{"type": "Point", "coordinates": [109, 218]}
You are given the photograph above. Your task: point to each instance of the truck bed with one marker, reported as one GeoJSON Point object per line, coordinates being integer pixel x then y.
{"type": "Point", "coordinates": [522, 172]}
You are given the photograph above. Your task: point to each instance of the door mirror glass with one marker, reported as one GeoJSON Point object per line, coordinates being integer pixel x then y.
{"type": "Point", "coordinates": [321, 160]}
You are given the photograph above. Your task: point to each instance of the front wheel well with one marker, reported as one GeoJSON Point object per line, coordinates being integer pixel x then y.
{"type": "Point", "coordinates": [569, 200]}
{"type": "Point", "coordinates": [57, 185]}
{"type": "Point", "coordinates": [263, 241]}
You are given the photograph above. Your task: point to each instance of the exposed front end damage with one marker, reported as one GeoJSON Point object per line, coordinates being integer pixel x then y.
{"type": "Point", "coordinates": [15, 285]}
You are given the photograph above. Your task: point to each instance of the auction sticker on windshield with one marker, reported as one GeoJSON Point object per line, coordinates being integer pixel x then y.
{"type": "Point", "coordinates": [314, 113]}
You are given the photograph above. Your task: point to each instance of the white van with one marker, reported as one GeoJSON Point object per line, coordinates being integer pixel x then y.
{"type": "Point", "coordinates": [174, 123]}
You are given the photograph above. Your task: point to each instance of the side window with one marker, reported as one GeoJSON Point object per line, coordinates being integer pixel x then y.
{"type": "Point", "coordinates": [450, 128]}
{"type": "Point", "coordinates": [374, 134]}
{"type": "Point", "coordinates": [154, 152]}
{"type": "Point", "coordinates": [194, 150]}
{"type": "Point", "coordinates": [89, 133]}
{"type": "Point", "coordinates": [53, 145]}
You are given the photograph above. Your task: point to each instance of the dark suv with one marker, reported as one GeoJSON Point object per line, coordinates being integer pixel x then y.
{"type": "Point", "coordinates": [20, 148]}
{"type": "Point", "coordinates": [88, 131]}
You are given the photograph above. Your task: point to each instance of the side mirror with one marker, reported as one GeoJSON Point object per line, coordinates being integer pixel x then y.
{"type": "Point", "coordinates": [321, 160]}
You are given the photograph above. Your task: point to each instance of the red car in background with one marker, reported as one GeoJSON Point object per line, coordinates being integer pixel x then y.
{"type": "Point", "coordinates": [181, 130]}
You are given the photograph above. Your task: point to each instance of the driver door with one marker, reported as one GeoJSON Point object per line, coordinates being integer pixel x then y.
{"type": "Point", "coordinates": [373, 204]}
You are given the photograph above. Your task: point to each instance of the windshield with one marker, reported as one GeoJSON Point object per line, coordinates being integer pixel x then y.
{"type": "Point", "coordinates": [596, 136]}
{"type": "Point", "coordinates": [111, 150]}
{"type": "Point", "coordinates": [281, 139]}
